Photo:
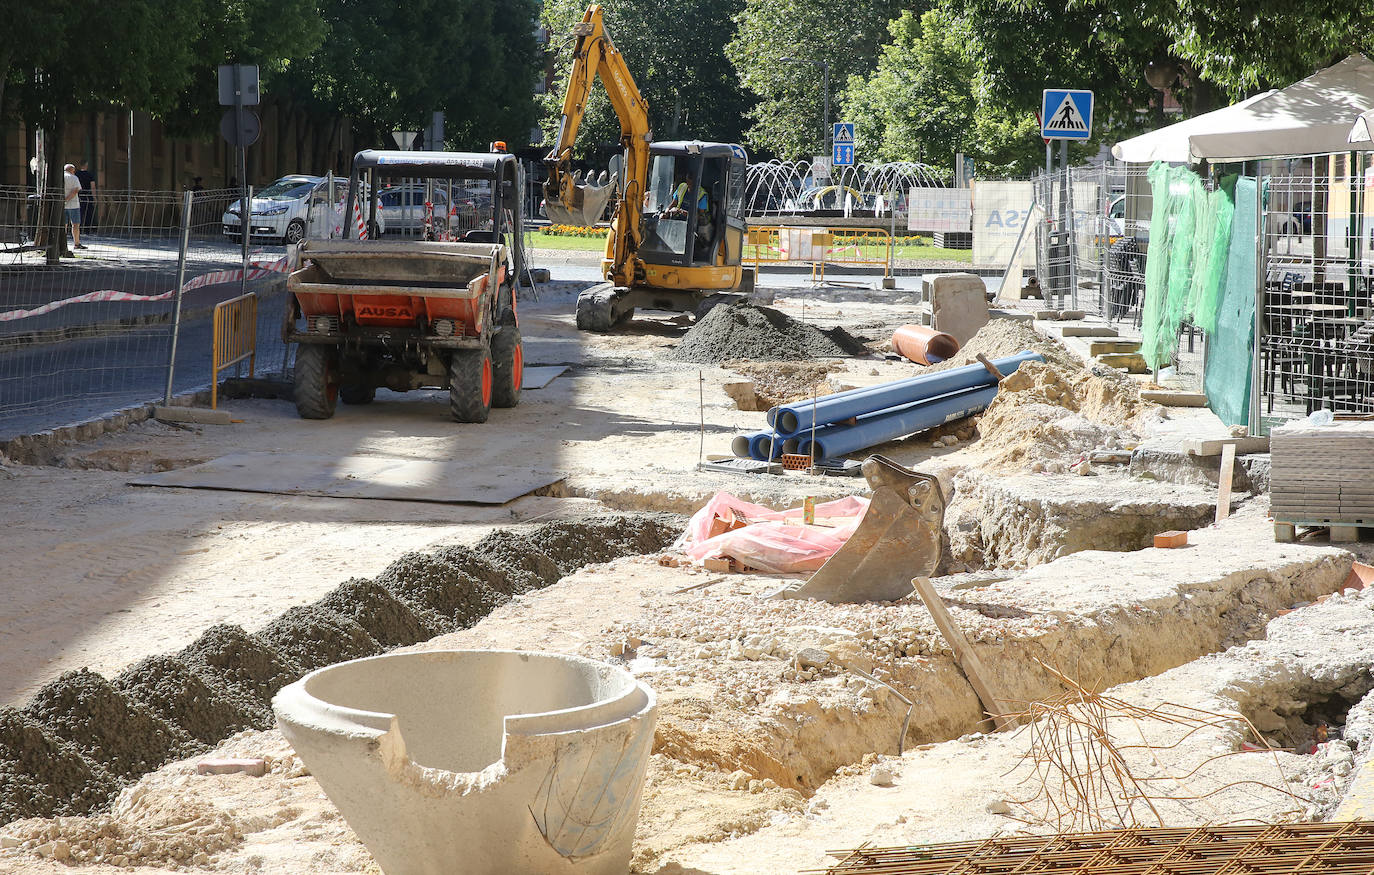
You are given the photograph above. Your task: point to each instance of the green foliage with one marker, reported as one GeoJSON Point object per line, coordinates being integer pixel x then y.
{"type": "Point", "coordinates": [846, 34]}
{"type": "Point", "coordinates": [675, 53]}
{"type": "Point", "coordinates": [929, 99]}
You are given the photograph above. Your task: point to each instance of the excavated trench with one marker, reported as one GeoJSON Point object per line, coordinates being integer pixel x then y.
{"type": "Point", "coordinates": [82, 736]}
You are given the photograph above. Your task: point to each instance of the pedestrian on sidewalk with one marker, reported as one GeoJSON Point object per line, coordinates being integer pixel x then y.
{"type": "Point", "coordinates": [87, 180]}
{"type": "Point", "coordinates": [71, 202]}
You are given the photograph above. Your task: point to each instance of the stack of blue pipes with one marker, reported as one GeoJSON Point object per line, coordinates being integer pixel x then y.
{"type": "Point", "coordinates": [846, 422]}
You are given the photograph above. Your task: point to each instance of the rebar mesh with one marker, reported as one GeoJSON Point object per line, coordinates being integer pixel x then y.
{"type": "Point", "coordinates": [1339, 848]}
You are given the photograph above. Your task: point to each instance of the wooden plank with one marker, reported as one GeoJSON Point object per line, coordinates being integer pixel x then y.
{"type": "Point", "coordinates": [1174, 399]}
{"type": "Point", "coordinates": [1228, 467]}
{"type": "Point", "coordinates": [964, 654]}
{"type": "Point", "coordinates": [1244, 446]}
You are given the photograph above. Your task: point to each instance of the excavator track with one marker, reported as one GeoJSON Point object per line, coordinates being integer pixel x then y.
{"type": "Point", "coordinates": [597, 308]}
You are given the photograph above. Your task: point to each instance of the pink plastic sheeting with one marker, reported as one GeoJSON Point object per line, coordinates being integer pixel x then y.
{"type": "Point", "coordinates": [768, 543]}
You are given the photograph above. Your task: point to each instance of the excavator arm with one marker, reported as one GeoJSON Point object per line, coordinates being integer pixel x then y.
{"type": "Point", "coordinates": [567, 200]}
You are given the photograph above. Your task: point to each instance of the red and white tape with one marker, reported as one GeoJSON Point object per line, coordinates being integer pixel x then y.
{"type": "Point", "coordinates": [257, 270]}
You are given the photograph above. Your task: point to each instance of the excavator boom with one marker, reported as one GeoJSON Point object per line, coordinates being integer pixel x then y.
{"type": "Point", "coordinates": [567, 198]}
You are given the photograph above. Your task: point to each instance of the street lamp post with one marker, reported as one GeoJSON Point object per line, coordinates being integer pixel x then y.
{"type": "Point", "coordinates": [829, 136]}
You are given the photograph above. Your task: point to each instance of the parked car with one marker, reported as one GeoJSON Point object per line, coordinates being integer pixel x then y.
{"type": "Point", "coordinates": [403, 208]}
{"type": "Point", "coordinates": [290, 207]}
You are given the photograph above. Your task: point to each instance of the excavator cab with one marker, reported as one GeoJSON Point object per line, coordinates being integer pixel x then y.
{"type": "Point", "coordinates": [694, 205]}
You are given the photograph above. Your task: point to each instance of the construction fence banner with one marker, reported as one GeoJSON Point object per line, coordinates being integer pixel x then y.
{"type": "Point", "coordinates": [938, 209]}
{"type": "Point", "coordinates": [1000, 210]}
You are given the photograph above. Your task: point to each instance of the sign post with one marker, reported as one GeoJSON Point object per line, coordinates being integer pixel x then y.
{"type": "Point", "coordinates": [1066, 114]}
{"type": "Point", "coordinates": [842, 150]}
{"type": "Point", "coordinates": [238, 87]}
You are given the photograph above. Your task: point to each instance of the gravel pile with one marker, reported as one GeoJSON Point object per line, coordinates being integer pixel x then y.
{"type": "Point", "coordinates": [383, 616]}
{"type": "Point", "coordinates": [42, 775]}
{"type": "Point", "coordinates": [744, 331]}
{"type": "Point", "coordinates": [247, 669]}
{"type": "Point", "coordinates": [81, 737]}
{"type": "Point", "coordinates": [181, 697]}
{"type": "Point", "coordinates": [442, 595]}
{"type": "Point", "coordinates": [313, 637]}
{"type": "Point", "coordinates": [525, 565]}
{"type": "Point", "coordinates": [122, 734]}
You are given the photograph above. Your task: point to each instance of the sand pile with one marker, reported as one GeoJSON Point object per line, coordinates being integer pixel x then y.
{"type": "Point", "coordinates": [248, 670]}
{"type": "Point", "coordinates": [1046, 416]}
{"type": "Point", "coordinates": [1004, 337]}
{"type": "Point", "coordinates": [744, 331]}
{"type": "Point", "coordinates": [42, 775]}
{"type": "Point", "coordinates": [442, 594]}
{"type": "Point", "coordinates": [782, 382]}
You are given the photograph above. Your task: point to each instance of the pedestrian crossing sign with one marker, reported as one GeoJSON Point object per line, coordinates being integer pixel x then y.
{"type": "Point", "coordinates": [843, 146]}
{"type": "Point", "coordinates": [1066, 114]}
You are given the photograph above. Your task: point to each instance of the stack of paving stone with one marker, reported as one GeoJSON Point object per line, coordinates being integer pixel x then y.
{"type": "Point", "coordinates": [1322, 473]}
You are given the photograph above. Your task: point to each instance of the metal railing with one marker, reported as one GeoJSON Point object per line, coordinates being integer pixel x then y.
{"type": "Point", "coordinates": [819, 247]}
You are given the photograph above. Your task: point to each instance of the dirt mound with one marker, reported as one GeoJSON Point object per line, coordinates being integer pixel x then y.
{"type": "Point", "coordinates": [1047, 415]}
{"type": "Point", "coordinates": [443, 595]}
{"type": "Point", "coordinates": [122, 734]}
{"type": "Point", "coordinates": [782, 382]}
{"type": "Point", "coordinates": [314, 637]}
{"type": "Point", "coordinates": [182, 698]}
{"type": "Point", "coordinates": [574, 543]}
{"type": "Point", "coordinates": [41, 775]}
{"type": "Point", "coordinates": [246, 668]}
{"type": "Point", "coordinates": [525, 565]}
{"type": "Point", "coordinates": [383, 616]}
{"type": "Point", "coordinates": [744, 331]}
{"type": "Point", "coordinates": [1003, 337]}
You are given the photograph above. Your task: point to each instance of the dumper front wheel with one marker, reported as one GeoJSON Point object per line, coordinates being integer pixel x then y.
{"type": "Point", "coordinates": [316, 380]}
{"type": "Point", "coordinates": [470, 385]}
{"type": "Point", "coordinates": [507, 366]}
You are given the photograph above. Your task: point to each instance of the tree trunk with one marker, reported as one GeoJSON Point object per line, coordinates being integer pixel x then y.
{"type": "Point", "coordinates": [52, 219]}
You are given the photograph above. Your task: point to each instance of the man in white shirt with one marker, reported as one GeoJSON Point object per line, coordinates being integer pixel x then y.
{"type": "Point", "coordinates": [71, 201]}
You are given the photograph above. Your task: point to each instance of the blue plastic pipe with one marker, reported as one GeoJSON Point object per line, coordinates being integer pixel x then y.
{"type": "Point", "coordinates": [761, 443]}
{"type": "Point", "coordinates": [795, 420]}
{"type": "Point", "coordinates": [881, 428]}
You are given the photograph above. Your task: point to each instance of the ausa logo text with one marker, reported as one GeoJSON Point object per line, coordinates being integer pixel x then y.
{"type": "Point", "coordinates": [379, 312]}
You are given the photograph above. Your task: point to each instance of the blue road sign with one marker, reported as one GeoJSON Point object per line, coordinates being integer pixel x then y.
{"type": "Point", "coordinates": [1066, 114]}
{"type": "Point", "coordinates": [843, 148]}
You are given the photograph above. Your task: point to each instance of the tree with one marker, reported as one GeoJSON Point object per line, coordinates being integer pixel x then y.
{"type": "Point", "coordinates": [928, 100]}
{"type": "Point", "coordinates": [846, 34]}
{"type": "Point", "coordinates": [389, 65]}
{"type": "Point", "coordinates": [675, 52]}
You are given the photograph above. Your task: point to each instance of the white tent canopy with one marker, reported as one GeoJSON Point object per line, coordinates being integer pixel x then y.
{"type": "Point", "coordinates": [1171, 143]}
{"type": "Point", "coordinates": [1313, 116]}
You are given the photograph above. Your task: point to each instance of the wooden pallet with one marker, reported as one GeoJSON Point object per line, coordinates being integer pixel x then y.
{"type": "Point", "coordinates": [1342, 531]}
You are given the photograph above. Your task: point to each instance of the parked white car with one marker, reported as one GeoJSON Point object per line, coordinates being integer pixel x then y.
{"type": "Point", "coordinates": [403, 209]}
{"type": "Point", "coordinates": [289, 208]}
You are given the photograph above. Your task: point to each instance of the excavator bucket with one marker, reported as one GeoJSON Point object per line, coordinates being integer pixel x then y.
{"type": "Point", "coordinates": [897, 539]}
{"type": "Point", "coordinates": [588, 202]}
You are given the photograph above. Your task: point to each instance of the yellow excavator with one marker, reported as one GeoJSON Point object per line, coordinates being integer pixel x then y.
{"type": "Point", "coordinates": [678, 232]}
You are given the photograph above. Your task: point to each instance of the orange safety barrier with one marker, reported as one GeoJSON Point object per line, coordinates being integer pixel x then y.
{"type": "Point", "coordinates": [819, 246]}
{"type": "Point", "coordinates": [235, 338]}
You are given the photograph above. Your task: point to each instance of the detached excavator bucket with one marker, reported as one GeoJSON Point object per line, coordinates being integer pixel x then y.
{"type": "Point", "coordinates": [897, 539]}
{"type": "Point", "coordinates": [589, 202]}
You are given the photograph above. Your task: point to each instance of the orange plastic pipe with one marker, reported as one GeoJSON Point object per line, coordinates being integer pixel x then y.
{"type": "Point", "coordinates": [923, 345]}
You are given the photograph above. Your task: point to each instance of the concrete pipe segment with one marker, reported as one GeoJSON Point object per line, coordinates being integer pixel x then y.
{"type": "Point", "coordinates": [479, 761]}
{"type": "Point", "coordinates": [923, 344]}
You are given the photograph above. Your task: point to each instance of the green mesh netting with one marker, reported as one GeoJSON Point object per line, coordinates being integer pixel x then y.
{"type": "Point", "coordinates": [1230, 347]}
{"type": "Point", "coordinates": [1159, 320]}
{"type": "Point", "coordinates": [1211, 243]}
{"type": "Point", "coordinates": [1190, 233]}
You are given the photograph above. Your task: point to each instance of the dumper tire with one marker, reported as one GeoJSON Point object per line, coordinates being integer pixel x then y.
{"type": "Point", "coordinates": [470, 385]}
{"type": "Point", "coordinates": [507, 366]}
{"type": "Point", "coordinates": [316, 386]}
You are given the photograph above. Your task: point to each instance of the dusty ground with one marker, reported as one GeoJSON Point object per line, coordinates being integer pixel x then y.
{"type": "Point", "coordinates": [761, 764]}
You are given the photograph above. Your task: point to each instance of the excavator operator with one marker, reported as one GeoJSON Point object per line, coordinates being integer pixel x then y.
{"type": "Point", "coordinates": [678, 208]}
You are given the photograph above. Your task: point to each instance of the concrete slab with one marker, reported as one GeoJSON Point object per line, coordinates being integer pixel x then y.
{"type": "Point", "coordinates": [378, 477]}
{"type": "Point", "coordinates": [539, 376]}
{"type": "Point", "coordinates": [959, 304]}
{"type": "Point", "coordinates": [199, 415]}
